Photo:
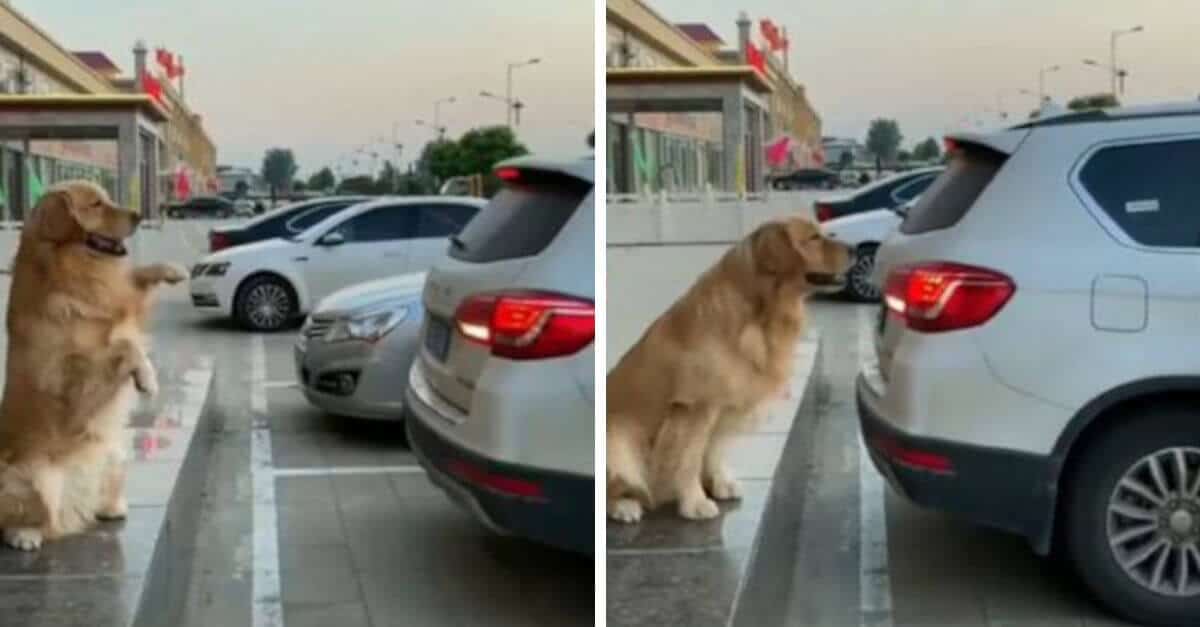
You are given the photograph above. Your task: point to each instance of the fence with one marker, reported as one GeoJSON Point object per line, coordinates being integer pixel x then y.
{"type": "Point", "coordinates": [699, 218]}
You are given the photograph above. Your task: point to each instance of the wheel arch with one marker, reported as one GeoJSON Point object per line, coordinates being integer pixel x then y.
{"type": "Point", "coordinates": [1098, 415]}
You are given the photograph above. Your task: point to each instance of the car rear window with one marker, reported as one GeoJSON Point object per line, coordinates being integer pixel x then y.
{"type": "Point", "coordinates": [952, 194]}
{"type": "Point", "coordinates": [522, 218]}
{"type": "Point", "coordinates": [1151, 190]}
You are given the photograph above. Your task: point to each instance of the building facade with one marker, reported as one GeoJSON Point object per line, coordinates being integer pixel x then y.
{"type": "Point", "coordinates": [32, 62]}
{"type": "Point", "coordinates": [684, 150]}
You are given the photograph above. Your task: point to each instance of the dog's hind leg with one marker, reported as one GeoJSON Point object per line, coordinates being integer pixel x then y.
{"type": "Point", "coordinates": [47, 480]}
{"type": "Point", "coordinates": [679, 457]}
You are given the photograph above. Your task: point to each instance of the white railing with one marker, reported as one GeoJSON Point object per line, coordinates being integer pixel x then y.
{"type": "Point", "coordinates": [704, 217]}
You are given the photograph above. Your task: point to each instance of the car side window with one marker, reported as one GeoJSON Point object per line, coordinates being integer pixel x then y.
{"type": "Point", "coordinates": [382, 224]}
{"type": "Point", "coordinates": [1150, 190]}
{"type": "Point", "coordinates": [312, 216]}
{"type": "Point", "coordinates": [443, 220]}
{"type": "Point", "coordinates": [912, 189]}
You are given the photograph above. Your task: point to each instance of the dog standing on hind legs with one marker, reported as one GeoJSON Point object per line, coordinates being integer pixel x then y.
{"type": "Point", "coordinates": [77, 359]}
{"type": "Point", "coordinates": [708, 366]}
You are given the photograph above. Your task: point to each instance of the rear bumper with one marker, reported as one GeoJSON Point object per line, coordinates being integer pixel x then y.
{"type": "Point", "coordinates": [1007, 490]}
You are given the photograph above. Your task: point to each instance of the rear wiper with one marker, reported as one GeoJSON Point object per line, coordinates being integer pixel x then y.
{"type": "Point", "coordinates": [457, 243]}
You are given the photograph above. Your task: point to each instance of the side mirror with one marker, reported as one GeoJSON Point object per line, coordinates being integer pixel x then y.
{"type": "Point", "coordinates": [333, 238]}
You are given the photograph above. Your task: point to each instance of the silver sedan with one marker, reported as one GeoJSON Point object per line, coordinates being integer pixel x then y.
{"type": "Point", "coordinates": [356, 347]}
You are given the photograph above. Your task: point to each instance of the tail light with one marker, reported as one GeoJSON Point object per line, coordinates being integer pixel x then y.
{"type": "Point", "coordinates": [823, 212]}
{"type": "Point", "coordinates": [526, 325]}
{"type": "Point", "coordinates": [217, 241]}
{"type": "Point", "coordinates": [937, 297]}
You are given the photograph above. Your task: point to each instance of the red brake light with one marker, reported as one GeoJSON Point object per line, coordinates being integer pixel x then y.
{"type": "Point", "coordinates": [509, 486]}
{"type": "Point", "coordinates": [526, 325]}
{"type": "Point", "coordinates": [951, 145]}
{"type": "Point", "coordinates": [508, 174]}
{"type": "Point", "coordinates": [823, 211]}
{"type": "Point", "coordinates": [937, 297]}
{"type": "Point", "coordinates": [217, 241]}
{"type": "Point", "coordinates": [913, 458]}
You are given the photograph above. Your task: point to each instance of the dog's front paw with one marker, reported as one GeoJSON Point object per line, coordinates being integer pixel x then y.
{"type": "Point", "coordinates": [701, 508]}
{"type": "Point", "coordinates": [173, 273]}
{"type": "Point", "coordinates": [117, 510]}
{"type": "Point", "coordinates": [23, 538]}
{"type": "Point", "coordinates": [626, 511]}
{"type": "Point", "coordinates": [726, 489]}
{"type": "Point", "coordinates": [146, 379]}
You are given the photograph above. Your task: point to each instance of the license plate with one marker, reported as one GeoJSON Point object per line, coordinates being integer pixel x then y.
{"type": "Point", "coordinates": [437, 338]}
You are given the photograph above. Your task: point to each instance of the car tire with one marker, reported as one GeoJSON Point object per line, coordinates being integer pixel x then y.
{"type": "Point", "coordinates": [858, 277]}
{"type": "Point", "coordinates": [265, 303]}
{"type": "Point", "coordinates": [1099, 538]}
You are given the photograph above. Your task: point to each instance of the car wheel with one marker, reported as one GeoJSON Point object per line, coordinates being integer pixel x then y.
{"type": "Point", "coordinates": [265, 303]}
{"type": "Point", "coordinates": [1132, 516]}
{"type": "Point", "coordinates": [858, 278]}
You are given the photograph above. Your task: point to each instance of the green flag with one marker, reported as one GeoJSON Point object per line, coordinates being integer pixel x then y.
{"type": "Point", "coordinates": [35, 186]}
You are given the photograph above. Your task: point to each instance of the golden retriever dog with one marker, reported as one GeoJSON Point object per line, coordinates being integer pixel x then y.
{"type": "Point", "coordinates": [707, 366]}
{"type": "Point", "coordinates": [77, 316]}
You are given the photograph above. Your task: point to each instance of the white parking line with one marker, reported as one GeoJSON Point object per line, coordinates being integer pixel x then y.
{"type": "Point", "coordinates": [329, 471]}
{"type": "Point", "coordinates": [280, 385]}
{"type": "Point", "coordinates": [267, 610]}
{"type": "Point", "coordinates": [874, 581]}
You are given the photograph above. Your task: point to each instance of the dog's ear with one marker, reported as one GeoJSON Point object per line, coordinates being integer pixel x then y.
{"type": "Point", "coordinates": [774, 250]}
{"type": "Point", "coordinates": [54, 220]}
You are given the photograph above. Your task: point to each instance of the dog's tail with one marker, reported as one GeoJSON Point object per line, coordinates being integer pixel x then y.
{"type": "Point", "coordinates": [626, 472]}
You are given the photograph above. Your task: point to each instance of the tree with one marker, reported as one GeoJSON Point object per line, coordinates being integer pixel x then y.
{"type": "Point", "coordinates": [903, 155]}
{"type": "Point", "coordinates": [361, 184]}
{"type": "Point", "coordinates": [928, 150]}
{"type": "Point", "coordinates": [883, 139]}
{"type": "Point", "coordinates": [240, 189]}
{"type": "Point", "coordinates": [279, 170]}
{"type": "Point", "coordinates": [322, 180]}
{"type": "Point", "coordinates": [476, 152]}
{"type": "Point", "coordinates": [389, 176]}
{"type": "Point", "coordinates": [1093, 101]}
{"type": "Point", "coordinates": [845, 161]}
{"type": "Point", "coordinates": [299, 185]}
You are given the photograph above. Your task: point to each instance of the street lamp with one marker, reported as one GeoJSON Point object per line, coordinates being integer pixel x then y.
{"type": "Point", "coordinates": [1112, 52]}
{"type": "Point", "coordinates": [508, 97]}
{"type": "Point", "coordinates": [437, 111]}
{"type": "Point", "coordinates": [1042, 82]}
{"type": "Point", "coordinates": [511, 106]}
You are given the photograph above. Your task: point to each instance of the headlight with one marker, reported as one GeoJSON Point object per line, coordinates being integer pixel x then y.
{"type": "Point", "coordinates": [369, 325]}
{"type": "Point", "coordinates": [217, 269]}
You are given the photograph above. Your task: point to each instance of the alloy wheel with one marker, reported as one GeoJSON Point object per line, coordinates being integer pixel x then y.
{"type": "Point", "coordinates": [267, 305]}
{"type": "Point", "coordinates": [859, 276]}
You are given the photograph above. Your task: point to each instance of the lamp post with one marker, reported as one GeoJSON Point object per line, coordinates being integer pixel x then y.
{"type": "Point", "coordinates": [440, 131]}
{"type": "Point", "coordinates": [1112, 53]}
{"type": "Point", "coordinates": [1000, 99]}
{"type": "Point", "coordinates": [1042, 82]}
{"type": "Point", "coordinates": [437, 112]}
{"type": "Point", "coordinates": [508, 97]}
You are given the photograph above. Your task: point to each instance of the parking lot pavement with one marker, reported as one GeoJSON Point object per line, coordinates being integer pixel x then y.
{"type": "Point", "coordinates": [859, 555]}
{"type": "Point", "coordinates": [364, 538]}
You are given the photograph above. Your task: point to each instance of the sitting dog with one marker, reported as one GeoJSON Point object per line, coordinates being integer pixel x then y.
{"type": "Point", "coordinates": [708, 365]}
{"type": "Point", "coordinates": [77, 316]}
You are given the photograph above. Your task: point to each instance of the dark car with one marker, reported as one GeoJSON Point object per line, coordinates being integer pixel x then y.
{"type": "Point", "coordinates": [807, 178]}
{"type": "Point", "coordinates": [887, 193]}
{"type": "Point", "coordinates": [202, 207]}
{"type": "Point", "coordinates": [285, 221]}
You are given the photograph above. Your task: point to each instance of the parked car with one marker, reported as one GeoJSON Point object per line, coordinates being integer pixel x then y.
{"type": "Point", "coordinates": [807, 178]}
{"type": "Point", "coordinates": [357, 343]}
{"type": "Point", "coordinates": [268, 284]}
{"type": "Point", "coordinates": [1034, 368]}
{"type": "Point", "coordinates": [863, 232]}
{"type": "Point", "coordinates": [243, 207]}
{"type": "Point", "coordinates": [287, 221]}
{"type": "Point", "coordinates": [885, 193]}
{"type": "Point", "coordinates": [202, 207]}
{"type": "Point", "coordinates": [501, 394]}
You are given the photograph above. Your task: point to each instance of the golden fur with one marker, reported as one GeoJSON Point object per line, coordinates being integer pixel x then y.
{"type": "Point", "coordinates": [77, 314]}
{"type": "Point", "coordinates": [706, 366]}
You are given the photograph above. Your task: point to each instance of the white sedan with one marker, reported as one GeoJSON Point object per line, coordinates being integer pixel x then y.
{"type": "Point", "coordinates": [267, 285]}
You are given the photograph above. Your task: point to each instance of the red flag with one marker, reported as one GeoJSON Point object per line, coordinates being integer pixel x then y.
{"type": "Point", "coordinates": [176, 69]}
{"type": "Point", "coordinates": [755, 58]}
{"type": "Point", "coordinates": [151, 87]}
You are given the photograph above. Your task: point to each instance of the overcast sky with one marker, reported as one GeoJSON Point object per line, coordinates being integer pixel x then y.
{"type": "Point", "coordinates": [323, 77]}
{"type": "Point", "coordinates": [929, 63]}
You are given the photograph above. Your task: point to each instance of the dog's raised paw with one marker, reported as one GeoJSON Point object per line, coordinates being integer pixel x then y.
{"type": "Point", "coordinates": [699, 509]}
{"type": "Point", "coordinates": [726, 489]}
{"type": "Point", "coordinates": [626, 511]}
{"type": "Point", "coordinates": [23, 538]}
{"type": "Point", "coordinates": [146, 380]}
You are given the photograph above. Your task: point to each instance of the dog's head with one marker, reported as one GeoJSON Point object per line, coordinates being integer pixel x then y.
{"type": "Point", "coordinates": [80, 213]}
{"type": "Point", "coordinates": [797, 249]}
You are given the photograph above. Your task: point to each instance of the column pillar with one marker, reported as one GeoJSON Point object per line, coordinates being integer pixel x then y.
{"type": "Point", "coordinates": [733, 125]}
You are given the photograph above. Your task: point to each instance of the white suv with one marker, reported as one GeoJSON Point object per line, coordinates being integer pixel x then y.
{"type": "Point", "coordinates": [1037, 367]}
{"type": "Point", "coordinates": [502, 393]}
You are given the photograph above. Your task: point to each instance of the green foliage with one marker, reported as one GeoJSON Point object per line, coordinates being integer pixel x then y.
{"type": "Point", "coordinates": [1093, 101]}
{"type": "Point", "coordinates": [299, 185]}
{"type": "Point", "coordinates": [388, 178]}
{"type": "Point", "coordinates": [279, 169]}
{"type": "Point", "coordinates": [884, 138]}
{"type": "Point", "coordinates": [845, 161]}
{"type": "Point", "coordinates": [322, 180]}
{"type": "Point", "coordinates": [928, 150]}
{"type": "Point", "coordinates": [476, 152]}
{"type": "Point", "coordinates": [359, 185]}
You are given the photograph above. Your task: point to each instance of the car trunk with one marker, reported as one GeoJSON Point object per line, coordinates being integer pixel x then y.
{"type": "Point", "coordinates": [489, 256]}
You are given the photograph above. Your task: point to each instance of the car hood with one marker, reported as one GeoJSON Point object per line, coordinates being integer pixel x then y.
{"type": "Point", "coordinates": [366, 294]}
{"type": "Point", "coordinates": [253, 250]}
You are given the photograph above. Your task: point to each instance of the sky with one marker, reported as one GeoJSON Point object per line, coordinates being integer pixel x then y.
{"type": "Point", "coordinates": [325, 77]}
{"type": "Point", "coordinates": [939, 65]}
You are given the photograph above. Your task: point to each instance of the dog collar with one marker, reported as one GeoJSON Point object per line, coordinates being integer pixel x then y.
{"type": "Point", "coordinates": [105, 245]}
